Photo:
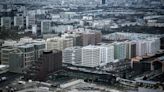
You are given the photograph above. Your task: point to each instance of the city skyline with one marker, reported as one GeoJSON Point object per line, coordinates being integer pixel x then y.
{"type": "Point", "coordinates": [81, 45]}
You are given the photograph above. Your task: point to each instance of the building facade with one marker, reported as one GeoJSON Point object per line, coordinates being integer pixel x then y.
{"type": "Point", "coordinates": [45, 27]}
{"type": "Point", "coordinates": [59, 43]}
{"type": "Point", "coordinates": [6, 22]}
{"type": "Point", "coordinates": [49, 62]}
{"type": "Point", "coordinates": [5, 53]}
{"type": "Point", "coordinates": [72, 55]}
{"type": "Point", "coordinates": [19, 21]}
{"type": "Point", "coordinates": [93, 56]}
{"type": "Point", "coordinates": [22, 58]}
{"type": "Point", "coordinates": [30, 20]}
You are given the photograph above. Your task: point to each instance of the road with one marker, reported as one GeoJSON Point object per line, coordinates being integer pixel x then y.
{"type": "Point", "coordinates": [10, 77]}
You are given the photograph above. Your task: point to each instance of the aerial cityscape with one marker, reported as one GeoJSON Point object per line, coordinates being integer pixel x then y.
{"type": "Point", "coordinates": [81, 45]}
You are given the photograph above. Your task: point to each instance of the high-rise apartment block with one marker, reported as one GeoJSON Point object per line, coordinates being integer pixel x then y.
{"type": "Point", "coordinates": [120, 50]}
{"type": "Point", "coordinates": [45, 27]}
{"type": "Point", "coordinates": [6, 22]}
{"type": "Point", "coordinates": [93, 56]}
{"type": "Point", "coordinates": [19, 21]}
{"type": "Point", "coordinates": [131, 50]}
{"type": "Point", "coordinates": [147, 47]}
{"type": "Point", "coordinates": [30, 20]}
{"type": "Point", "coordinates": [107, 54]}
{"type": "Point", "coordinates": [16, 61]}
{"type": "Point", "coordinates": [88, 39]}
{"type": "Point", "coordinates": [98, 37]}
{"type": "Point", "coordinates": [72, 55]}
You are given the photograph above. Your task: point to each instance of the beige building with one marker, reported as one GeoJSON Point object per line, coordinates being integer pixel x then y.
{"type": "Point", "coordinates": [59, 43]}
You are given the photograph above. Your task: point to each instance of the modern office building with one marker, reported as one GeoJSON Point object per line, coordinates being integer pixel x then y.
{"type": "Point", "coordinates": [22, 58]}
{"type": "Point", "coordinates": [30, 48]}
{"type": "Point", "coordinates": [19, 21]}
{"type": "Point", "coordinates": [49, 62]}
{"type": "Point", "coordinates": [16, 61]}
{"type": "Point", "coordinates": [58, 43]}
{"type": "Point", "coordinates": [39, 47]}
{"type": "Point", "coordinates": [72, 55]}
{"type": "Point", "coordinates": [6, 22]}
{"type": "Point", "coordinates": [28, 51]}
{"type": "Point", "coordinates": [5, 53]}
{"type": "Point", "coordinates": [45, 26]}
{"type": "Point", "coordinates": [7, 47]}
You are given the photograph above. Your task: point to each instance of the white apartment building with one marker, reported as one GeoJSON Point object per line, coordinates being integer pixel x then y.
{"type": "Point", "coordinates": [141, 49]}
{"type": "Point", "coordinates": [120, 50]}
{"type": "Point", "coordinates": [147, 47]}
{"type": "Point", "coordinates": [107, 54]}
{"type": "Point", "coordinates": [93, 56]}
{"type": "Point", "coordinates": [72, 55]}
{"type": "Point", "coordinates": [153, 46]}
